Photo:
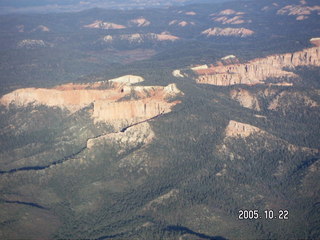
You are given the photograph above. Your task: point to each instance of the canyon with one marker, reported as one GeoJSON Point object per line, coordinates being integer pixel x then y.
{"type": "Point", "coordinates": [116, 101]}
{"type": "Point", "coordinates": [257, 71]}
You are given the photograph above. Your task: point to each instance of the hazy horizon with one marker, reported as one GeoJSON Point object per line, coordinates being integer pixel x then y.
{"type": "Point", "coordinates": [47, 6]}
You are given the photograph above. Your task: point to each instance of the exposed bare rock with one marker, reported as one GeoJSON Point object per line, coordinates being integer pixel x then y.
{"type": "Point", "coordinates": [132, 38]}
{"type": "Point", "coordinates": [181, 23]}
{"type": "Point", "coordinates": [141, 102]}
{"type": "Point", "coordinates": [245, 98]}
{"type": "Point", "coordinates": [32, 43]}
{"type": "Point", "coordinates": [231, 20]}
{"type": "Point", "coordinates": [139, 22]}
{"type": "Point", "coordinates": [300, 11]}
{"type": "Point", "coordinates": [256, 140]}
{"type": "Point", "coordinates": [129, 112]}
{"type": "Point", "coordinates": [315, 41]}
{"type": "Point", "coordinates": [141, 38]}
{"type": "Point", "coordinates": [41, 28]}
{"type": "Point", "coordinates": [238, 129]}
{"type": "Point", "coordinates": [227, 12]}
{"type": "Point", "coordinates": [258, 70]}
{"type": "Point", "coordinates": [283, 100]}
{"type": "Point", "coordinates": [301, 17]}
{"type": "Point", "coordinates": [108, 39]}
{"type": "Point", "coordinates": [229, 59]}
{"type": "Point", "coordinates": [166, 36]}
{"type": "Point", "coordinates": [200, 67]}
{"type": "Point", "coordinates": [233, 32]}
{"type": "Point", "coordinates": [191, 13]}
{"type": "Point", "coordinates": [260, 116]}
{"type": "Point", "coordinates": [229, 16]}
{"type": "Point", "coordinates": [134, 136]}
{"type": "Point", "coordinates": [104, 25]}
{"type": "Point", "coordinates": [177, 73]}
{"type": "Point", "coordinates": [20, 28]}
{"type": "Point", "coordinates": [127, 80]}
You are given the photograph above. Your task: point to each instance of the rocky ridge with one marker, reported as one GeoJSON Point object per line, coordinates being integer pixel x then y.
{"type": "Point", "coordinates": [98, 24]}
{"type": "Point", "coordinates": [258, 70]}
{"type": "Point", "coordinates": [247, 132]}
{"type": "Point", "coordinates": [139, 22]}
{"type": "Point", "coordinates": [140, 38]}
{"type": "Point", "coordinates": [116, 102]}
{"type": "Point", "coordinates": [230, 16]}
{"type": "Point", "coordinates": [181, 23]}
{"type": "Point", "coordinates": [41, 28]}
{"type": "Point", "coordinates": [140, 134]}
{"type": "Point", "coordinates": [228, 32]}
{"type": "Point", "coordinates": [238, 129]}
{"type": "Point", "coordinates": [300, 11]}
{"type": "Point", "coordinates": [245, 98]}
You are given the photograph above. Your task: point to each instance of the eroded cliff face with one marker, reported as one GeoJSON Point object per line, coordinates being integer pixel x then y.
{"type": "Point", "coordinates": [258, 70]}
{"type": "Point", "coordinates": [116, 102]}
{"type": "Point", "coordinates": [245, 98]}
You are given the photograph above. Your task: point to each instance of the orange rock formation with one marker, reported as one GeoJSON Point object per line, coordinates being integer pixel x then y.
{"type": "Point", "coordinates": [258, 70]}
{"type": "Point", "coordinates": [142, 102]}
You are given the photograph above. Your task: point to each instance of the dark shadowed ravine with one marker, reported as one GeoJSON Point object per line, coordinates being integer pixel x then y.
{"type": "Point", "coordinates": [71, 156]}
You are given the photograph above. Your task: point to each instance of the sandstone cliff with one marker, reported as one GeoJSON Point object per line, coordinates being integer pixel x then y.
{"type": "Point", "coordinates": [258, 70]}
{"type": "Point", "coordinates": [114, 101]}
